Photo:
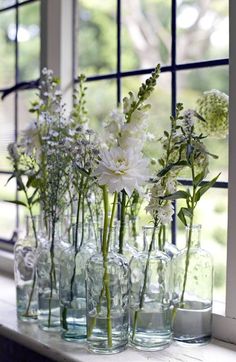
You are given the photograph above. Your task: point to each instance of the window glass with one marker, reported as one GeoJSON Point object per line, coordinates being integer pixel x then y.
{"type": "Point", "coordinates": [96, 36]}
{"type": "Point", "coordinates": [191, 85]}
{"type": "Point", "coordinates": [202, 30]}
{"type": "Point", "coordinates": [7, 210]}
{"type": "Point", "coordinates": [29, 41]}
{"type": "Point", "coordinates": [7, 48]}
{"type": "Point", "coordinates": [7, 130]}
{"type": "Point", "coordinates": [146, 35]}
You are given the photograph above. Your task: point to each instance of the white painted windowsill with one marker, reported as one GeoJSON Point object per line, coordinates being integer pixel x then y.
{"type": "Point", "coordinates": [52, 346]}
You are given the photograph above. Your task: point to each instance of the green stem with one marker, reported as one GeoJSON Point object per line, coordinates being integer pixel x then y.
{"type": "Point", "coordinates": [189, 239]}
{"type": "Point", "coordinates": [52, 275]}
{"type": "Point", "coordinates": [111, 221]}
{"type": "Point", "coordinates": [122, 222]}
{"type": "Point", "coordinates": [141, 302]}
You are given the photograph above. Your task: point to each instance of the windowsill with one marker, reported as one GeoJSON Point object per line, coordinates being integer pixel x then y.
{"type": "Point", "coordinates": [51, 346]}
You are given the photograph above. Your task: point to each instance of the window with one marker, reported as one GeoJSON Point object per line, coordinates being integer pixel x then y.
{"type": "Point", "coordinates": [190, 40]}
{"type": "Point", "coordinates": [118, 43]}
{"type": "Point", "coordinates": [20, 55]}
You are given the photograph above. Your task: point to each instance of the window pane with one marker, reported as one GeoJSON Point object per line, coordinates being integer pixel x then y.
{"type": "Point", "coordinates": [146, 38]}
{"type": "Point", "coordinates": [202, 30]}
{"type": "Point", "coordinates": [7, 210]}
{"type": "Point", "coordinates": [211, 213]}
{"type": "Point", "coordinates": [101, 100]}
{"type": "Point", "coordinates": [24, 102]}
{"type": "Point", "coordinates": [29, 41]}
{"type": "Point", "coordinates": [191, 85]}
{"type": "Point", "coordinates": [7, 49]}
{"type": "Point", "coordinates": [7, 133]}
{"type": "Point", "coordinates": [160, 111]}
{"type": "Point", "coordinates": [6, 3]}
{"type": "Point", "coordinates": [96, 36]}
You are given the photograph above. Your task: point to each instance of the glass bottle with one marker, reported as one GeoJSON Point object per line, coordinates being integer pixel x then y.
{"type": "Point", "coordinates": [150, 296]}
{"type": "Point", "coordinates": [72, 284]}
{"type": "Point", "coordinates": [193, 284]}
{"type": "Point", "coordinates": [25, 273]}
{"type": "Point", "coordinates": [48, 271]}
{"type": "Point", "coordinates": [107, 291]}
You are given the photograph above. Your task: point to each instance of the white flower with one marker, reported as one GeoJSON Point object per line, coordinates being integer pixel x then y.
{"type": "Point", "coordinates": [122, 169]}
{"type": "Point", "coordinates": [165, 212]}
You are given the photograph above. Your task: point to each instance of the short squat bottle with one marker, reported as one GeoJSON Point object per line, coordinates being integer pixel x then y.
{"type": "Point", "coordinates": [193, 285]}
{"type": "Point", "coordinates": [72, 284]}
{"type": "Point", "coordinates": [150, 315]}
{"type": "Point", "coordinates": [107, 290]}
{"type": "Point", "coordinates": [25, 273]}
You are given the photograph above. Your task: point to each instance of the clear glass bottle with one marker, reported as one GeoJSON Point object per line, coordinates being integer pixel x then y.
{"type": "Point", "coordinates": [193, 284]}
{"type": "Point", "coordinates": [48, 272]}
{"type": "Point", "coordinates": [72, 285]}
{"type": "Point", "coordinates": [25, 273]}
{"type": "Point", "coordinates": [107, 291]}
{"type": "Point", "coordinates": [150, 296]}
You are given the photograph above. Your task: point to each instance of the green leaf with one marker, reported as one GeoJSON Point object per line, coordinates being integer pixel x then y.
{"type": "Point", "coordinates": [31, 198]}
{"type": "Point", "coordinates": [16, 202]}
{"type": "Point", "coordinates": [201, 191]}
{"type": "Point", "coordinates": [198, 178]}
{"type": "Point", "coordinates": [183, 213]}
{"type": "Point", "coordinates": [177, 195]}
{"type": "Point", "coordinates": [182, 217]}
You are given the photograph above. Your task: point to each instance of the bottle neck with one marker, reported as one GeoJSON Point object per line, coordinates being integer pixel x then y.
{"type": "Point", "coordinates": [150, 236]}
{"type": "Point", "coordinates": [193, 235]}
{"type": "Point", "coordinates": [30, 226]}
{"type": "Point", "coordinates": [111, 240]}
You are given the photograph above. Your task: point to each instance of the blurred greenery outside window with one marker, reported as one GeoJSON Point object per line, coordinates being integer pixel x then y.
{"type": "Point", "coordinates": [145, 40]}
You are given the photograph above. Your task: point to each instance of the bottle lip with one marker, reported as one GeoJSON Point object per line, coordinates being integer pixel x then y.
{"type": "Point", "coordinates": [195, 227]}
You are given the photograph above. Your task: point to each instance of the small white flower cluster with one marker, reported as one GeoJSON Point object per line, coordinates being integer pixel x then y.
{"type": "Point", "coordinates": [213, 107]}
{"type": "Point", "coordinates": [188, 120]}
{"type": "Point", "coordinates": [160, 209]}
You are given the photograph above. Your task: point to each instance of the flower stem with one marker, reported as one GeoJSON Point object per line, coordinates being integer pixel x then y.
{"type": "Point", "coordinates": [141, 302]}
{"type": "Point", "coordinates": [193, 204]}
{"type": "Point", "coordinates": [122, 222]}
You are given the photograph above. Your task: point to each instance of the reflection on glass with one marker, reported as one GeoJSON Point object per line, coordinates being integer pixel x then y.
{"type": "Point", "coordinates": [160, 112]}
{"type": "Point", "coordinates": [7, 49]}
{"type": "Point", "coordinates": [146, 37]}
{"type": "Point", "coordinates": [191, 84]}
{"type": "Point", "coordinates": [96, 36]}
{"type": "Point", "coordinates": [202, 30]}
{"type": "Point", "coordinates": [211, 213]}
{"type": "Point", "coordinates": [29, 41]}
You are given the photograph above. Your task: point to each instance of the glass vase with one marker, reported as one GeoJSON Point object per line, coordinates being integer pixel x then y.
{"type": "Point", "coordinates": [107, 291]}
{"type": "Point", "coordinates": [72, 284]}
{"type": "Point", "coordinates": [25, 273]}
{"type": "Point", "coordinates": [48, 272]}
{"type": "Point", "coordinates": [150, 296]}
{"type": "Point", "coordinates": [193, 284]}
